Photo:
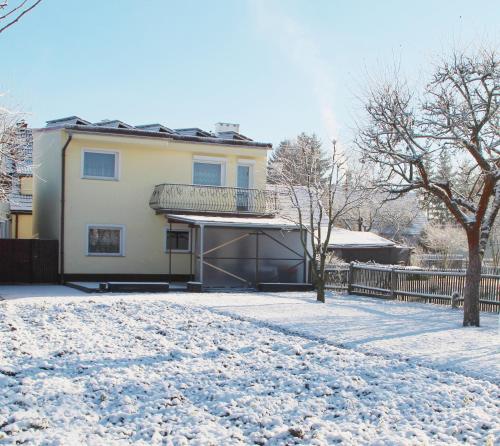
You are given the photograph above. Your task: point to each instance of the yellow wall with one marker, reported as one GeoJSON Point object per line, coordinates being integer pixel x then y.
{"type": "Point", "coordinates": [143, 163]}
{"type": "Point", "coordinates": [27, 185]}
{"type": "Point", "coordinates": [21, 226]}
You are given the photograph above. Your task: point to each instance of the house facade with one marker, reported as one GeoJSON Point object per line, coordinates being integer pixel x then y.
{"type": "Point", "coordinates": [151, 203]}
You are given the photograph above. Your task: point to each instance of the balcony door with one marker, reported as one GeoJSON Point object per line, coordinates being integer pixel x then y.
{"type": "Point", "coordinates": [243, 184]}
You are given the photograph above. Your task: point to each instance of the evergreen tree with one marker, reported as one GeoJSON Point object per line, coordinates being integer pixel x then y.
{"type": "Point", "coordinates": [290, 149]}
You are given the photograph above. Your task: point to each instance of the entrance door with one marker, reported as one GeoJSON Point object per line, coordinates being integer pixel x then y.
{"type": "Point", "coordinates": [243, 183]}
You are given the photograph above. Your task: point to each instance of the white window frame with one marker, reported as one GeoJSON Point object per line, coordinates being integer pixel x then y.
{"type": "Point", "coordinates": [210, 160]}
{"type": "Point", "coordinates": [165, 240]}
{"type": "Point", "coordinates": [105, 226]}
{"type": "Point", "coordinates": [251, 165]}
{"type": "Point", "coordinates": [116, 153]}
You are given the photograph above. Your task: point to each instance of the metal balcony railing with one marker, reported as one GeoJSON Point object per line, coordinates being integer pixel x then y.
{"type": "Point", "coordinates": [213, 200]}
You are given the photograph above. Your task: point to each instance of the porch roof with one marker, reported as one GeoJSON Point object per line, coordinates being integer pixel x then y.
{"type": "Point", "coordinates": [235, 222]}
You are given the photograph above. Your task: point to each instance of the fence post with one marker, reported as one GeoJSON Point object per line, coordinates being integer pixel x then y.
{"type": "Point", "coordinates": [350, 278]}
{"type": "Point", "coordinates": [394, 283]}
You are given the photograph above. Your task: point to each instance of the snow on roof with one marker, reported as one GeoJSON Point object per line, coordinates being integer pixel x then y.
{"type": "Point", "coordinates": [20, 202]}
{"type": "Point", "coordinates": [25, 169]}
{"type": "Point", "coordinates": [343, 238]}
{"type": "Point", "coordinates": [242, 222]}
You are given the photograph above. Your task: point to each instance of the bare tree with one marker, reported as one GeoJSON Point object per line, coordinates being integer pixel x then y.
{"type": "Point", "coordinates": [11, 15]}
{"type": "Point", "coordinates": [321, 200]}
{"type": "Point", "coordinates": [457, 113]}
{"type": "Point", "coordinates": [447, 240]}
{"type": "Point", "coordinates": [381, 214]}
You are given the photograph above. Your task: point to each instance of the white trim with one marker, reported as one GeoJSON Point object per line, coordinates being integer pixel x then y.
{"type": "Point", "coordinates": [122, 230]}
{"type": "Point", "coordinates": [246, 161]}
{"type": "Point", "coordinates": [210, 160]}
{"type": "Point", "coordinates": [165, 240]}
{"type": "Point", "coordinates": [251, 169]}
{"type": "Point", "coordinates": [116, 177]}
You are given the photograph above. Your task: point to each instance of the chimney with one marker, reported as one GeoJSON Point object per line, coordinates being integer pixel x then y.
{"type": "Point", "coordinates": [222, 127]}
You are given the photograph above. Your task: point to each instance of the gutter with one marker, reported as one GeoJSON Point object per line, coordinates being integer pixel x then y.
{"type": "Point", "coordinates": [63, 200]}
{"type": "Point", "coordinates": [163, 135]}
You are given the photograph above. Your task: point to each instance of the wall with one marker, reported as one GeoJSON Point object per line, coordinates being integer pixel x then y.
{"type": "Point", "coordinates": [47, 145]}
{"type": "Point", "coordinates": [143, 163]}
{"type": "Point", "coordinates": [21, 226]}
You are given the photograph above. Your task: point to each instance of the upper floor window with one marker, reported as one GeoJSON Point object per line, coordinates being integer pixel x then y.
{"type": "Point", "coordinates": [208, 171]}
{"type": "Point", "coordinates": [97, 164]}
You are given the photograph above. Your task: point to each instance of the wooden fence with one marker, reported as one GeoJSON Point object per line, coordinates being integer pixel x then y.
{"type": "Point", "coordinates": [455, 261]}
{"type": "Point", "coordinates": [410, 284]}
{"type": "Point", "coordinates": [28, 261]}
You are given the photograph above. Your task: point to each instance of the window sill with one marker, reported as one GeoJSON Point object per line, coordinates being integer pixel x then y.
{"type": "Point", "coordinates": [100, 178]}
{"type": "Point", "coordinates": [103, 255]}
{"type": "Point", "coordinates": [178, 251]}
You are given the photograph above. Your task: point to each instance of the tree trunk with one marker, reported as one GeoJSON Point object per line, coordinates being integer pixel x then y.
{"type": "Point", "coordinates": [320, 291]}
{"type": "Point", "coordinates": [472, 282]}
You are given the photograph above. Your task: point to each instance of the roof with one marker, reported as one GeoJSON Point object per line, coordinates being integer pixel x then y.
{"type": "Point", "coordinates": [343, 238]}
{"type": "Point", "coordinates": [232, 135]}
{"type": "Point", "coordinates": [20, 202]}
{"type": "Point", "coordinates": [154, 128]}
{"type": "Point", "coordinates": [193, 131]}
{"type": "Point", "coordinates": [25, 169]}
{"type": "Point", "coordinates": [68, 120]}
{"type": "Point", "coordinates": [192, 134]}
{"type": "Point", "coordinates": [164, 135]}
{"type": "Point", "coordinates": [113, 123]}
{"type": "Point", "coordinates": [240, 222]}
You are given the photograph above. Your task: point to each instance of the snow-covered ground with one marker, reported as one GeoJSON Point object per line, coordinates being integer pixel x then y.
{"type": "Point", "coordinates": [428, 334]}
{"type": "Point", "coordinates": [100, 369]}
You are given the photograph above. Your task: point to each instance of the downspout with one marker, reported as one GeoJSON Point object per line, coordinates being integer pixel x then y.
{"type": "Point", "coordinates": [63, 200]}
{"type": "Point", "coordinates": [202, 249]}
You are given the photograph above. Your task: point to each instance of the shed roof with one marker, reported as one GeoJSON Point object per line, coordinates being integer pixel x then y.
{"type": "Point", "coordinates": [343, 238]}
{"type": "Point", "coordinates": [240, 222]}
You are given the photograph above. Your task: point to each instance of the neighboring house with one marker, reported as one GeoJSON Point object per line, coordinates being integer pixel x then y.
{"type": "Point", "coordinates": [361, 246]}
{"type": "Point", "coordinates": [356, 246]}
{"type": "Point", "coordinates": [16, 218]}
{"type": "Point", "coordinates": [151, 203]}
{"type": "Point", "coordinates": [21, 218]}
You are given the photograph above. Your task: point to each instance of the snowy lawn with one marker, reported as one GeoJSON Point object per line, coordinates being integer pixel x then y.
{"type": "Point", "coordinates": [428, 334]}
{"type": "Point", "coordinates": [107, 370]}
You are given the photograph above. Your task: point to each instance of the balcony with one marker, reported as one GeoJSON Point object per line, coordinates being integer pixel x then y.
{"type": "Point", "coordinates": [197, 199]}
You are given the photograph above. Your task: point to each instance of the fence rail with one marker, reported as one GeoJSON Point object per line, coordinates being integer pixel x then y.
{"type": "Point", "coordinates": [411, 285]}
{"type": "Point", "coordinates": [455, 261]}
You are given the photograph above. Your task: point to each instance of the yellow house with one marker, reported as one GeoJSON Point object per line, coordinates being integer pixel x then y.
{"type": "Point", "coordinates": [21, 219]}
{"type": "Point", "coordinates": [151, 203]}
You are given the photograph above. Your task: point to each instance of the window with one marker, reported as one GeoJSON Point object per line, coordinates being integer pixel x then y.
{"type": "Point", "coordinates": [105, 240]}
{"type": "Point", "coordinates": [208, 171]}
{"type": "Point", "coordinates": [177, 240]}
{"type": "Point", "coordinates": [100, 165]}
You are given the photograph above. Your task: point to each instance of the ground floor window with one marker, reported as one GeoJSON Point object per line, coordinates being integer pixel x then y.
{"type": "Point", "coordinates": [177, 240]}
{"type": "Point", "coordinates": [105, 240]}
